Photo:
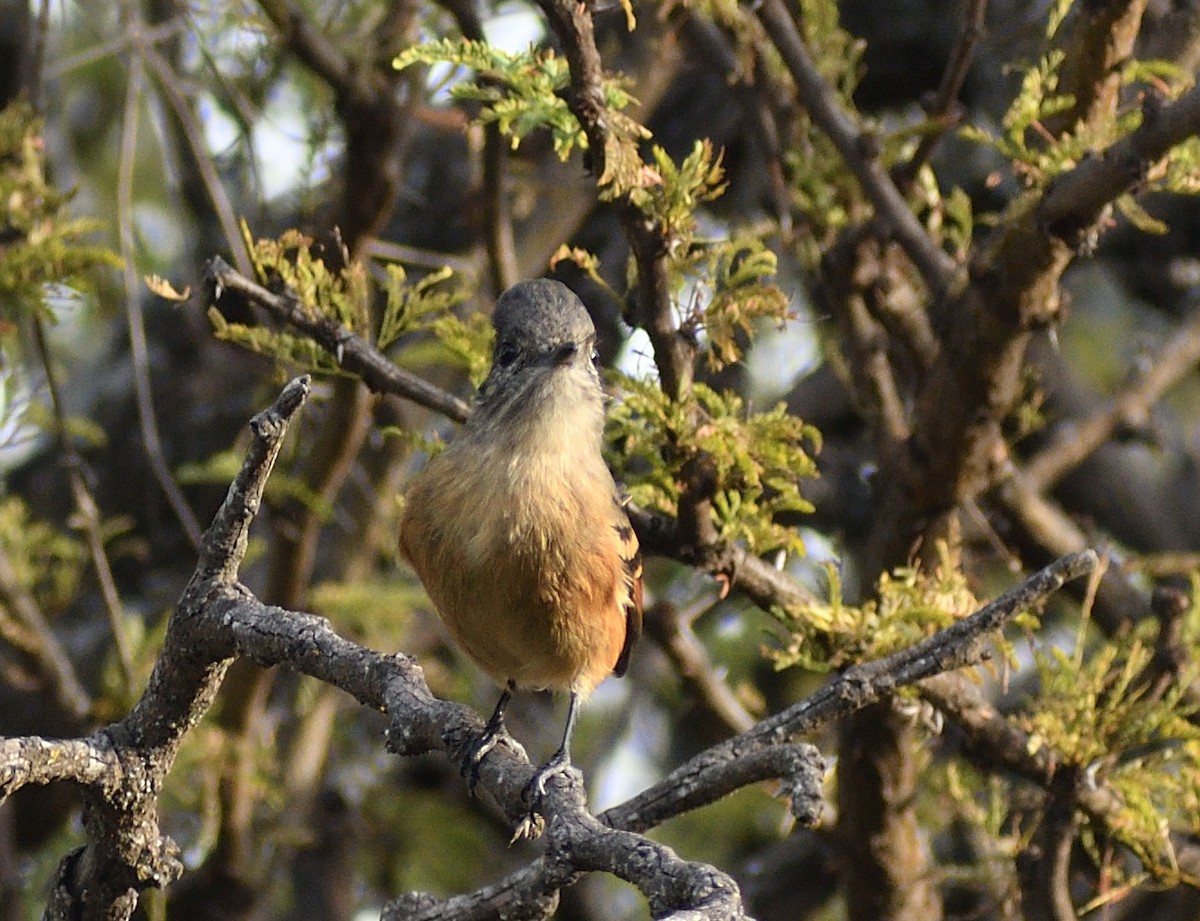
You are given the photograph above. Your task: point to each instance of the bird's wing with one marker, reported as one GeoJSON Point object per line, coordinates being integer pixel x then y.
{"type": "Point", "coordinates": [631, 558]}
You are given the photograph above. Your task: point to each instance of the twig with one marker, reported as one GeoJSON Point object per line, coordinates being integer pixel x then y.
{"type": "Point", "coordinates": [160, 32]}
{"type": "Point", "coordinates": [35, 76]}
{"type": "Point", "coordinates": [139, 354]}
{"type": "Point", "coordinates": [959, 645]}
{"type": "Point", "coordinates": [31, 760]}
{"type": "Point", "coordinates": [1097, 47]}
{"type": "Point", "coordinates": [194, 133]}
{"type": "Point", "coordinates": [942, 108]}
{"type": "Point", "coordinates": [121, 768]}
{"type": "Point", "coordinates": [996, 744]}
{"type": "Point", "coordinates": [499, 240]}
{"type": "Point", "coordinates": [497, 216]}
{"type": "Point", "coordinates": [88, 514]}
{"type": "Point", "coordinates": [755, 93]}
{"type": "Point", "coordinates": [936, 268]}
{"type": "Point", "coordinates": [1075, 200]}
{"type": "Point", "coordinates": [28, 631]}
{"type": "Point", "coordinates": [353, 353]}
{"type": "Point", "coordinates": [1043, 530]}
{"type": "Point", "coordinates": [1073, 442]}
{"type": "Point", "coordinates": [765, 585]}
{"type": "Point", "coordinates": [1043, 867]}
{"type": "Point", "coordinates": [691, 661]}
{"type": "Point", "coordinates": [674, 351]}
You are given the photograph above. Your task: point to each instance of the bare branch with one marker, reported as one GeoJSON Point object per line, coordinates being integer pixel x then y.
{"type": "Point", "coordinates": [1075, 201]}
{"type": "Point", "coordinates": [139, 353]}
{"type": "Point", "coordinates": [33, 760]}
{"type": "Point", "coordinates": [88, 513]}
{"type": "Point", "coordinates": [194, 132]}
{"type": "Point", "coordinates": [353, 353]}
{"type": "Point", "coordinates": [690, 659]}
{"type": "Point", "coordinates": [24, 626]}
{"type": "Point", "coordinates": [1073, 442]}
{"type": "Point", "coordinates": [857, 149]}
{"type": "Point", "coordinates": [961, 644]}
{"type": "Point", "coordinates": [943, 109]}
{"type": "Point", "coordinates": [1100, 42]}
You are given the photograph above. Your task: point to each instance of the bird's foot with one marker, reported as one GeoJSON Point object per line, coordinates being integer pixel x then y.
{"type": "Point", "coordinates": [533, 824]}
{"type": "Point", "coordinates": [492, 733]}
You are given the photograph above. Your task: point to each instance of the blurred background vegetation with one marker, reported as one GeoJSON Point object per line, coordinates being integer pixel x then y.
{"type": "Point", "coordinates": [143, 138]}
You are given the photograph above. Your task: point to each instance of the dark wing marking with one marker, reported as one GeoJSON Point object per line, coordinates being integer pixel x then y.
{"type": "Point", "coordinates": [631, 557]}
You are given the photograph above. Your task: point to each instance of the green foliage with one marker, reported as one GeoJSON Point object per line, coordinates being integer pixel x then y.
{"type": "Point", "coordinates": [669, 194]}
{"type": "Point", "coordinates": [1038, 157]}
{"type": "Point", "coordinates": [1099, 712]}
{"type": "Point", "coordinates": [355, 608]}
{"type": "Point", "coordinates": [909, 604]}
{"type": "Point", "coordinates": [410, 307]}
{"type": "Point", "coordinates": [42, 241]}
{"type": "Point", "coordinates": [759, 459]}
{"type": "Point", "coordinates": [468, 341]}
{"type": "Point", "coordinates": [523, 92]}
{"type": "Point", "coordinates": [838, 54]}
{"type": "Point", "coordinates": [1024, 142]}
{"type": "Point", "coordinates": [296, 351]}
{"type": "Point", "coordinates": [345, 298]}
{"type": "Point", "coordinates": [737, 272]}
{"type": "Point", "coordinates": [46, 563]}
{"type": "Point", "coordinates": [949, 217]}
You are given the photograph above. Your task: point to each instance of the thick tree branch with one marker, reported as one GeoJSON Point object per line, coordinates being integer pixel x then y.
{"type": "Point", "coordinates": [1076, 199]}
{"type": "Point", "coordinates": [1013, 292]}
{"type": "Point", "coordinates": [1099, 43]}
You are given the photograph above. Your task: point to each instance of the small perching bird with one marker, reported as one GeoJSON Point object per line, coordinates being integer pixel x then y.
{"type": "Point", "coordinates": [517, 529]}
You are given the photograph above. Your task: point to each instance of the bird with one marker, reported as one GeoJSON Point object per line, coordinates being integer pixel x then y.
{"type": "Point", "coordinates": [517, 529]}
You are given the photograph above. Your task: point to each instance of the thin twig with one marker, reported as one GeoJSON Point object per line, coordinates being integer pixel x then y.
{"type": "Point", "coordinates": [1076, 199]}
{"type": "Point", "coordinates": [352, 353]}
{"type": "Point", "coordinates": [139, 354]}
{"type": "Point", "coordinates": [674, 350]}
{"type": "Point", "coordinates": [152, 35]}
{"type": "Point", "coordinates": [88, 514]}
{"type": "Point", "coordinates": [1073, 442]}
{"type": "Point", "coordinates": [28, 631]}
{"type": "Point", "coordinates": [956, 646]}
{"type": "Point", "coordinates": [194, 132]}
{"type": "Point", "coordinates": [943, 107]}
{"type": "Point", "coordinates": [690, 659]}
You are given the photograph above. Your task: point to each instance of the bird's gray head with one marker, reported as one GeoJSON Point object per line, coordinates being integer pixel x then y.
{"type": "Point", "coordinates": [541, 327]}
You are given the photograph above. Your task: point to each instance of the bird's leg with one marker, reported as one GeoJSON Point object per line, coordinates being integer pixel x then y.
{"type": "Point", "coordinates": [493, 730]}
{"type": "Point", "coordinates": [559, 763]}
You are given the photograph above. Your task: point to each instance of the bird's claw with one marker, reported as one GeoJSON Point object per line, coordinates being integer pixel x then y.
{"type": "Point", "coordinates": [533, 824]}
{"type": "Point", "coordinates": [478, 750]}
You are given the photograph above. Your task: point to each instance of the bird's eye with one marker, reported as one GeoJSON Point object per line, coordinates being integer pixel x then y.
{"type": "Point", "coordinates": [506, 354]}
{"type": "Point", "coordinates": [596, 358]}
